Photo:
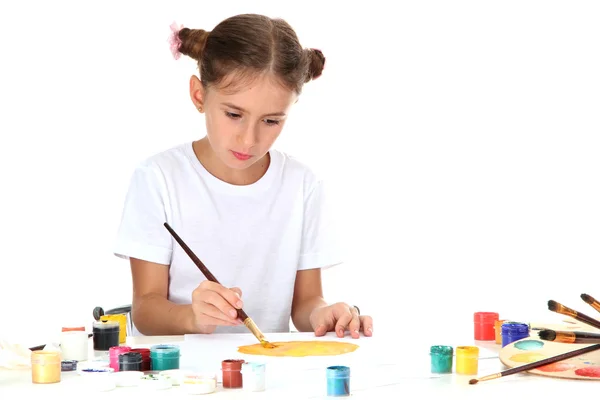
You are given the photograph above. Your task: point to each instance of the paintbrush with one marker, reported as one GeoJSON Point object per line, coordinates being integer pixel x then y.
{"type": "Point", "coordinates": [569, 337]}
{"type": "Point", "coordinates": [591, 301]}
{"type": "Point", "coordinates": [537, 364]}
{"type": "Point", "coordinates": [250, 324]}
{"type": "Point", "coordinates": [559, 308]}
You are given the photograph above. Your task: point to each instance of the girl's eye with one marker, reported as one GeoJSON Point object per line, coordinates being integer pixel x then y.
{"type": "Point", "coordinates": [271, 122]}
{"type": "Point", "coordinates": [232, 115]}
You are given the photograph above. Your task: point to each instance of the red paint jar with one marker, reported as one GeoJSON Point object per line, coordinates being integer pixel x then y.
{"type": "Point", "coordinates": [145, 358]}
{"type": "Point", "coordinates": [484, 325]}
{"type": "Point", "coordinates": [232, 373]}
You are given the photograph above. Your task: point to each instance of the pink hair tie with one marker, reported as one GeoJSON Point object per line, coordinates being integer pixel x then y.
{"type": "Point", "coordinates": [174, 41]}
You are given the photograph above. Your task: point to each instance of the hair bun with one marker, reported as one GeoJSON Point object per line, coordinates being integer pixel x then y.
{"type": "Point", "coordinates": [192, 42]}
{"type": "Point", "coordinates": [316, 63]}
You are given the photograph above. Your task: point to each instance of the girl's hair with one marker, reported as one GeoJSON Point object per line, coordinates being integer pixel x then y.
{"type": "Point", "coordinates": [248, 45]}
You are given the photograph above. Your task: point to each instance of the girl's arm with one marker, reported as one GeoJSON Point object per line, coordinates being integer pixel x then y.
{"type": "Point", "coordinates": [308, 295]}
{"type": "Point", "coordinates": [152, 313]}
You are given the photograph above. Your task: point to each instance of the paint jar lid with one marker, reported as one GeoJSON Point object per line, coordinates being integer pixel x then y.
{"type": "Point", "coordinates": [485, 317]}
{"type": "Point", "coordinates": [468, 351]}
{"type": "Point", "coordinates": [71, 329]}
{"type": "Point", "coordinates": [338, 371]}
{"type": "Point", "coordinates": [116, 350]}
{"type": "Point", "coordinates": [164, 351]}
{"type": "Point", "coordinates": [199, 383]}
{"type": "Point", "coordinates": [143, 351]}
{"type": "Point", "coordinates": [255, 367]}
{"type": "Point", "coordinates": [68, 365]}
{"type": "Point", "coordinates": [45, 357]}
{"type": "Point", "coordinates": [232, 365]}
{"type": "Point", "coordinates": [176, 375]}
{"type": "Point", "coordinates": [514, 327]}
{"type": "Point", "coordinates": [442, 350]}
{"type": "Point", "coordinates": [104, 324]}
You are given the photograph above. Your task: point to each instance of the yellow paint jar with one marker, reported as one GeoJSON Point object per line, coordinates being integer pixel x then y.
{"type": "Point", "coordinates": [45, 366]}
{"type": "Point", "coordinates": [122, 320]}
{"type": "Point", "coordinates": [498, 329]}
{"type": "Point", "coordinates": [467, 360]}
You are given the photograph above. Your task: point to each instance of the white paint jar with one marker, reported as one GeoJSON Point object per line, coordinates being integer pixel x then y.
{"type": "Point", "coordinates": [253, 376]}
{"type": "Point", "coordinates": [74, 345]}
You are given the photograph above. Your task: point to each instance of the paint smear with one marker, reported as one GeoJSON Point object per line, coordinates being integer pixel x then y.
{"type": "Point", "coordinates": [529, 344]}
{"type": "Point", "coordinates": [528, 357]}
{"type": "Point", "coordinates": [591, 372]}
{"type": "Point", "coordinates": [557, 367]}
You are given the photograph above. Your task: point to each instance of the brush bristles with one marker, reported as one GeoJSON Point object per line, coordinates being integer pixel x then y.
{"type": "Point", "coordinates": [547, 334]}
{"type": "Point", "coordinates": [559, 308]}
{"type": "Point", "coordinates": [473, 381]}
{"type": "Point", "coordinates": [587, 298]}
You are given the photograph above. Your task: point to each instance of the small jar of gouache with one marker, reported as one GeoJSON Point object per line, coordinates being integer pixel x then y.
{"type": "Point", "coordinates": [232, 373]}
{"type": "Point", "coordinates": [105, 336]}
{"type": "Point", "coordinates": [45, 366]}
{"type": "Point", "coordinates": [498, 330]}
{"type": "Point", "coordinates": [253, 376]}
{"type": "Point", "coordinates": [467, 360]}
{"type": "Point", "coordinates": [338, 381]}
{"type": "Point", "coordinates": [113, 355]}
{"type": "Point", "coordinates": [164, 356]}
{"type": "Point", "coordinates": [130, 362]}
{"type": "Point", "coordinates": [145, 357]}
{"type": "Point", "coordinates": [441, 359]}
{"type": "Point", "coordinates": [483, 323]}
{"type": "Point", "coordinates": [513, 331]}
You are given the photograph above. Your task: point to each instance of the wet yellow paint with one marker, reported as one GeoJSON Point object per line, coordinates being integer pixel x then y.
{"type": "Point", "coordinates": [528, 357]}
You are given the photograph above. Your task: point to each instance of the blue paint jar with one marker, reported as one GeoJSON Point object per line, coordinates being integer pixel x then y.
{"type": "Point", "coordinates": [441, 359]}
{"type": "Point", "coordinates": [513, 331]}
{"type": "Point", "coordinates": [164, 357]}
{"type": "Point", "coordinates": [338, 381]}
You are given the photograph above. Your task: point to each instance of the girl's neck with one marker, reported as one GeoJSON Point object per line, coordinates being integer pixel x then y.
{"type": "Point", "coordinates": [211, 162]}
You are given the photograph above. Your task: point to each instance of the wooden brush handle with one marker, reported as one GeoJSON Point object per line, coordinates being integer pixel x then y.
{"type": "Point", "coordinates": [241, 313]}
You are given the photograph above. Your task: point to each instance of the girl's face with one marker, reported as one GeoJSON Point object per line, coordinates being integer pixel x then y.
{"type": "Point", "coordinates": [243, 124]}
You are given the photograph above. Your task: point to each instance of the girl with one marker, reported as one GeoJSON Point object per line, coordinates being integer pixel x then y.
{"type": "Point", "coordinates": [255, 216]}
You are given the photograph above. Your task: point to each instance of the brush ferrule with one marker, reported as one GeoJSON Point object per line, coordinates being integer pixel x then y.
{"type": "Point", "coordinates": [254, 329]}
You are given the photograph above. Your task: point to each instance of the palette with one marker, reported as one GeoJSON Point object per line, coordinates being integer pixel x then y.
{"type": "Point", "coordinates": [533, 349]}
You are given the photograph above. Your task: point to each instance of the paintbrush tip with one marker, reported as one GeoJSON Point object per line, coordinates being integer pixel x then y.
{"type": "Point", "coordinates": [552, 305]}
{"type": "Point", "coordinates": [587, 298]}
{"type": "Point", "coordinates": [547, 334]}
{"type": "Point", "coordinates": [473, 381]}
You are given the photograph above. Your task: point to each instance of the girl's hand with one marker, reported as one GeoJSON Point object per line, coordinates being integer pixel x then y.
{"type": "Point", "coordinates": [214, 304]}
{"type": "Point", "coordinates": [340, 317]}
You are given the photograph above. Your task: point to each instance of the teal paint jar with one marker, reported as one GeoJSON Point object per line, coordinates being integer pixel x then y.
{"type": "Point", "coordinates": [441, 359]}
{"type": "Point", "coordinates": [164, 357]}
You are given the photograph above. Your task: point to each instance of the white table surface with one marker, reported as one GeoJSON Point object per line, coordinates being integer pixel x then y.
{"type": "Point", "coordinates": [389, 380]}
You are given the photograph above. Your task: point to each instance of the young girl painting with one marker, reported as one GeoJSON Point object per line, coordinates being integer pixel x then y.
{"type": "Point", "coordinates": [255, 216]}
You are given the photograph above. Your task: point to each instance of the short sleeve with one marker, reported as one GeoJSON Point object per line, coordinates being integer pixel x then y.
{"type": "Point", "coordinates": [141, 233]}
{"type": "Point", "coordinates": [320, 247]}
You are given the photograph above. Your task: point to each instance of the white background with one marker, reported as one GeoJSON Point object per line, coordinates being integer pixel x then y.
{"type": "Point", "coordinates": [460, 140]}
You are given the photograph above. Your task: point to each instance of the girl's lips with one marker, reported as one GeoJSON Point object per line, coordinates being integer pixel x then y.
{"type": "Point", "coordinates": [241, 156]}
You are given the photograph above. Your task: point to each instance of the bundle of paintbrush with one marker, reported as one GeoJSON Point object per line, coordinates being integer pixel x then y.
{"type": "Point", "coordinates": [561, 337]}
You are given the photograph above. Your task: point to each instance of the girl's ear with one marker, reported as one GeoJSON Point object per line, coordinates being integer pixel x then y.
{"type": "Point", "coordinates": [197, 93]}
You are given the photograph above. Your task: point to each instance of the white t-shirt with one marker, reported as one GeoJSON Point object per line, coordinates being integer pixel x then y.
{"type": "Point", "coordinates": [255, 237]}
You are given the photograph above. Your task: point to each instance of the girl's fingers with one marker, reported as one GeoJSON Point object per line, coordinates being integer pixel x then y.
{"type": "Point", "coordinates": [366, 323]}
{"type": "Point", "coordinates": [354, 325]}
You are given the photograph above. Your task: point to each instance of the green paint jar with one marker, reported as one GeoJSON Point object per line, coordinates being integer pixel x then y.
{"type": "Point", "coordinates": [164, 357]}
{"type": "Point", "coordinates": [441, 359]}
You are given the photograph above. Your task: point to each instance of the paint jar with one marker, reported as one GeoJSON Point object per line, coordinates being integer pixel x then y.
{"type": "Point", "coordinates": [232, 373]}
{"type": "Point", "coordinates": [113, 355]}
{"type": "Point", "coordinates": [441, 359]}
{"type": "Point", "coordinates": [145, 358]}
{"type": "Point", "coordinates": [498, 330]}
{"type": "Point", "coordinates": [338, 381]}
{"type": "Point", "coordinates": [164, 356]}
{"type": "Point", "coordinates": [484, 325]}
{"type": "Point", "coordinates": [74, 344]}
{"type": "Point", "coordinates": [106, 335]}
{"type": "Point", "coordinates": [513, 331]}
{"type": "Point", "coordinates": [467, 360]}
{"type": "Point", "coordinates": [122, 320]}
{"type": "Point", "coordinates": [202, 383]}
{"type": "Point", "coordinates": [45, 366]}
{"type": "Point", "coordinates": [253, 376]}
{"type": "Point", "coordinates": [130, 362]}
